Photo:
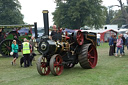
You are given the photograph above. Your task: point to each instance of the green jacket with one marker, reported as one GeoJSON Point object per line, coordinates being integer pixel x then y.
{"type": "Point", "coordinates": [14, 48]}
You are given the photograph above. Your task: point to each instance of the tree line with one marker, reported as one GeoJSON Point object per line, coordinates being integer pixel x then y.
{"type": "Point", "coordinates": [10, 12]}
{"type": "Point", "coordinates": [71, 14]}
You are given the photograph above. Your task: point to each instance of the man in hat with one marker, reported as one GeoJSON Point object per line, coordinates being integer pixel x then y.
{"type": "Point", "coordinates": [26, 52]}
{"type": "Point", "coordinates": [53, 35]}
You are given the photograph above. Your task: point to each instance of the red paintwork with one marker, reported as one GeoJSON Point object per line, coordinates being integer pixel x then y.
{"type": "Point", "coordinates": [58, 67]}
{"type": "Point", "coordinates": [103, 34]}
{"type": "Point", "coordinates": [45, 69]}
{"type": "Point", "coordinates": [92, 56]}
{"type": "Point", "coordinates": [80, 38]}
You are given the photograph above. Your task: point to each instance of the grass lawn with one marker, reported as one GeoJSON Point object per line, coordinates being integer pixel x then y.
{"type": "Point", "coordinates": [109, 71]}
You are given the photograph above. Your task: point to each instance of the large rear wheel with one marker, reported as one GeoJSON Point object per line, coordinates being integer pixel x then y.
{"type": "Point", "coordinates": [42, 66]}
{"type": "Point", "coordinates": [88, 56]}
{"type": "Point", "coordinates": [56, 66]}
{"type": "Point", "coordinates": [5, 46]}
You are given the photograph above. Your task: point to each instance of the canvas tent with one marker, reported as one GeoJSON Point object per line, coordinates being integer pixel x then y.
{"type": "Point", "coordinates": [104, 34]}
{"type": "Point", "coordinates": [107, 34]}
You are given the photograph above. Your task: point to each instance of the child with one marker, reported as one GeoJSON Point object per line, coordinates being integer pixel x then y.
{"type": "Point", "coordinates": [15, 52]}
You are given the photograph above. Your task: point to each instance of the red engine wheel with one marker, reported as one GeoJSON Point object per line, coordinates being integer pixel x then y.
{"type": "Point", "coordinates": [42, 66]}
{"type": "Point", "coordinates": [92, 56]}
{"type": "Point", "coordinates": [88, 56]}
{"type": "Point", "coordinates": [56, 66]}
{"type": "Point", "coordinates": [79, 37]}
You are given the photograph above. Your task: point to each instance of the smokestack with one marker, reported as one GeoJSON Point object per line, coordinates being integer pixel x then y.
{"type": "Point", "coordinates": [46, 22]}
{"type": "Point", "coordinates": [35, 26]}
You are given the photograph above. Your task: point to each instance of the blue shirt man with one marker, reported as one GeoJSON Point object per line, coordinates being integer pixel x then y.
{"type": "Point", "coordinates": [111, 43]}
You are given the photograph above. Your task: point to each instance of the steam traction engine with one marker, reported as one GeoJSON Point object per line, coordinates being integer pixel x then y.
{"type": "Point", "coordinates": [10, 32]}
{"type": "Point", "coordinates": [77, 47]}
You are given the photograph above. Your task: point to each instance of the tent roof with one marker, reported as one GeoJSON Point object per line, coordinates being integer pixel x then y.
{"type": "Point", "coordinates": [100, 31]}
{"type": "Point", "coordinates": [110, 30]}
{"type": "Point", "coordinates": [15, 26]}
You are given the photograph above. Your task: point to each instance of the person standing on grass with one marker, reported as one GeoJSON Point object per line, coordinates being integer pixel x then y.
{"type": "Point", "coordinates": [119, 45]}
{"type": "Point", "coordinates": [111, 43]}
{"type": "Point", "coordinates": [114, 45]}
{"type": "Point", "coordinates": [26, 52]}
{"type": "Point", "coordinates": [32, 44]}
{"type": "Point", "coordinates": [98, 39]}
{"type": "Point", "coordinates": [123, 38]}
{"type": "Point", "coordinates": [15, 52]}
{"type": "Point", "coordinates": [127, 40]}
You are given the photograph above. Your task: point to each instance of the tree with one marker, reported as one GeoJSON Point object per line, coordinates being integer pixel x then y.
{"type": "Point", "coordinates": [78, 13]}
{"type": "Point", "coordinates": [109, 16]}
{"type": "Point", "coordinates": [124, 12]}
{"type": "Point", "coordinates": [10, 12]}
{"type": "Point", "coordinates": [120, 16]}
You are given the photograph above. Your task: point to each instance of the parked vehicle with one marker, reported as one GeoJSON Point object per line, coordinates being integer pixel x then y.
{"type": "Point", "coordinates": [10, 32]}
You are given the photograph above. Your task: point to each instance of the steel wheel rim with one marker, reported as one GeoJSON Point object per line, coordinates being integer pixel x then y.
{"type": "Point", "coordinates": [56, 66]}
{"type": "Point", "coordinates": [44, 68]}
{"type": "Point", "coordinates": [5, 47]}
{"type": "Point", "coordinates": [92, 56]}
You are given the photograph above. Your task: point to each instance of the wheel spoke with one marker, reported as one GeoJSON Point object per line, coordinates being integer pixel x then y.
{"type": "Point", "coordinates": [90, 63]}
{"type": "Point", "coordinates": [57, 70]}
{"type": "Point", "coordinates": [45, 70]}
{"type": "Point", "coordinates": [80, 35]}
{"type": "Point", "coordinates": [5, 45]}
{"type": "Point", "coordinates": [60, 61]}
{"type": "Point", "coordinates": [90, 56]}
{"type": "Point", "coordinates": [56, 64]}
{"type": "Point", "coordinates": [78, 39]}
{"type": "Point", "coordinates": [90, 50]}
{"type": "Point", "coordinates": [43, 64]}
{"type": "Point", "coordinates": [57, 59]}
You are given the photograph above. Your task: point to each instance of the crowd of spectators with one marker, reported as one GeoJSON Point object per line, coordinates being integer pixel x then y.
{"type": "Point", "coordinates": [117, 44]}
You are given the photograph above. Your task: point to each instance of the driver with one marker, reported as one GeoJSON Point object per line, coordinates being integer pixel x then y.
{"type": "Point", "coordinates": [55, 34]}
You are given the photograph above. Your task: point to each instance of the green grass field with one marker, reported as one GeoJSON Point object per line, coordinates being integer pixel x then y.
{"type": "Point", "coordinates": [109, 71]}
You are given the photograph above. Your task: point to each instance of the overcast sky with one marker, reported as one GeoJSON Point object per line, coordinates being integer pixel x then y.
{"type": "Point", "coordinates": [32, 9]}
